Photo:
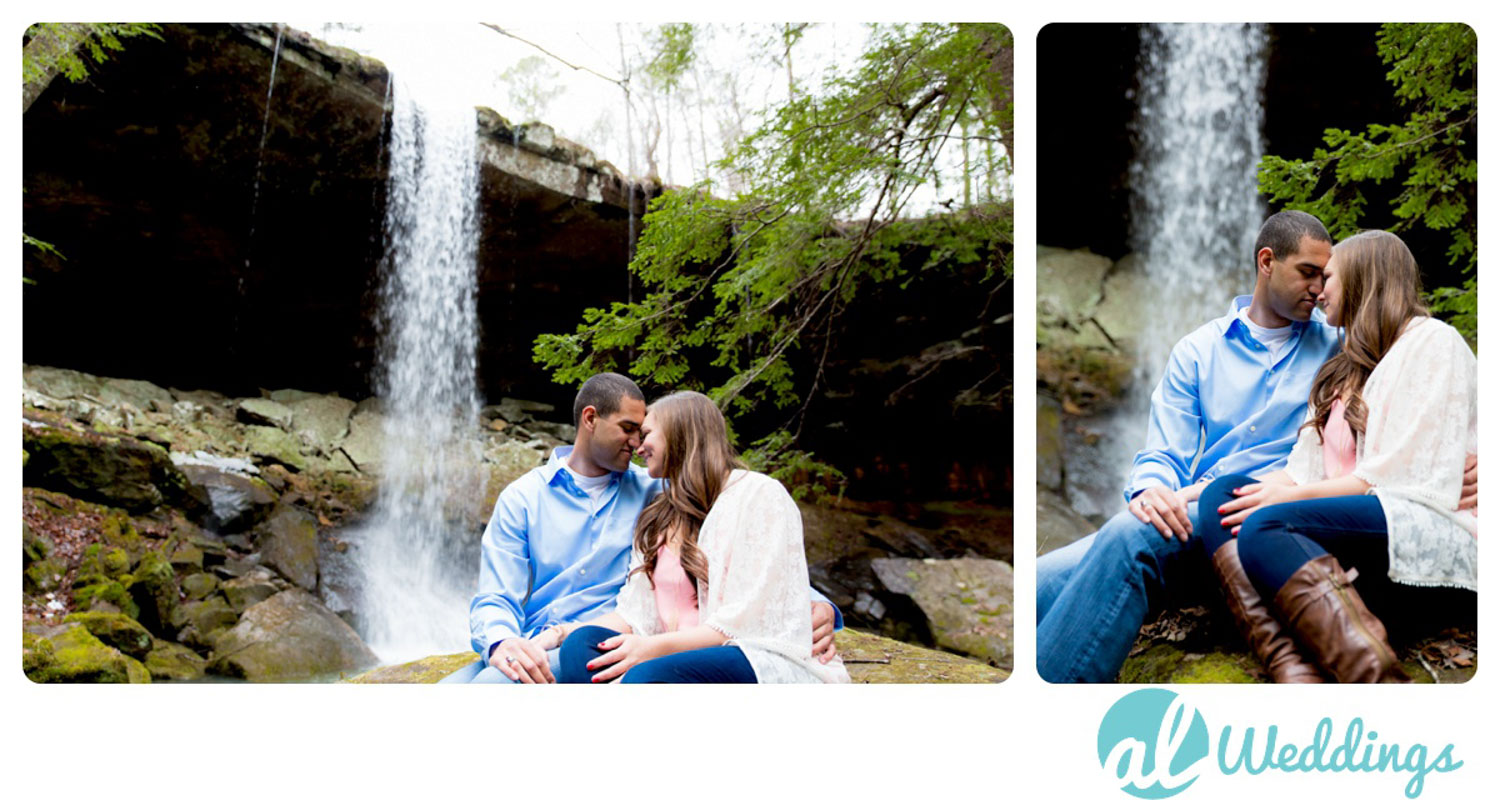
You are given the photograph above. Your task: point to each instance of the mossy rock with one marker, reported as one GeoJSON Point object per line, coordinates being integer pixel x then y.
{"type": "Point", "coordinates": [79, 657]}
{"type": "Point", "coordinates": [116, 630]}
{"type": "Point", "coordinates": [247, 590]}
{"type": "Point", "coordinates": [1167, 663]}
{"type": "Point", "coordinates": [105, 468]}
{"type": "Point", "coordinates": [34, 547]}
{"type": "Point", "coordinates": [106, 595]}
{"type": "Point", "coordinates": [116, 562]}
{"type": "Point", "coordinates": [875, 659]}
{"type": "Point", "coordinates": [154, 589]}
{"type": "Point", "coordinates": [290, 637]}
{"type": "Point", "coordinates": [43, 576]}
{"type": "Point", "coordinates": [289, 544]}
{"type": "Point", "coordinates": [169, 661]}
{"type": "Point", "coordinates": [202, 622]}
{"type": "Point", "coordinates": [36, 653]}
{"type": "Point", "coordinates": [199, 585]}
{"type": "Point", "coordinates": [186, 559]}
{"type": "Point", "coordinates": [427, 670]}
{"type": "Point", "coordinates": [274, 445]}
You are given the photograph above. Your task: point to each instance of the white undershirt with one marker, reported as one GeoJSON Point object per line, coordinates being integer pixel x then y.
{"type": "Point", "coordinates": [593, 486]}
{"type": "Point", "coordinates": [1274, 339]}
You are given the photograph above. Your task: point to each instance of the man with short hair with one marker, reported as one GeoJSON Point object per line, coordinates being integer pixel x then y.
{"type": "Point", "coordinates": [557, 547]}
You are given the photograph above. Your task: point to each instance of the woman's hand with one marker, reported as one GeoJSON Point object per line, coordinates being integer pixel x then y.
{"type": "Point", "coordinates": [1253, 496]}
{"type": "Point", "coordinates": [621, 653]}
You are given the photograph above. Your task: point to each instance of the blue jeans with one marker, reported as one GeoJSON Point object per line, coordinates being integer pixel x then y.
{"type": "Point", "coordinates": [1276, 541]}
{"type": "Point", "coordinates": [724, 664]}
{"type": "Point", "coordinates": [1086, 627]}
{"type": "Point", "coordinates": [1053, 569]}
{"type": "Point", "coordinates": [482, 672]}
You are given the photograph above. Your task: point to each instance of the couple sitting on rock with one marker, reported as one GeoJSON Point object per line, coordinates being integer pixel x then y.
{"type": "Point", "coordinates": [1359, 425]}
{"type": "Point", "coordinates": [689, 570]}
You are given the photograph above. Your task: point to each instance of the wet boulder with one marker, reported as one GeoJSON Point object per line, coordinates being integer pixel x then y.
{"type": "Point", "coordinates": [169, 661]}
{"type": "Point", "coordinates": [263, 411]}
{"type": "Point", "coordinates": [289, 544]}
{"type": "Point", "coordinates": [104, 468]}
{"type": "Point", "coordinates": [289, 637]}
{"type": "Point", "coordinates": [233, 501]}
{"type": "Point", "coordinates": [968, 601]}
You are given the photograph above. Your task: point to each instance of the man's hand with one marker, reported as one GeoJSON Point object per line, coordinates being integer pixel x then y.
{"type": "Point", "coordinates": [522, 660]}
{"type": "Point", "coordinates": [822, 627]}
{"type": "Point", "coordinates": [1469, 496]}
{"type": "Point", "coordinates": [1252, 497]}
{"type": "Point", "coordinates": [1165, 510]}
{"type": "Point", "coordinates": [620, 654]}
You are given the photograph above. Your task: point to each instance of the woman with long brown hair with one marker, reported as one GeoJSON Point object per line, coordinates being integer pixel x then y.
{"type": "Point", "coordinates": [1371, 488]}
{"type": "Point", "coordinates": [717, 591]}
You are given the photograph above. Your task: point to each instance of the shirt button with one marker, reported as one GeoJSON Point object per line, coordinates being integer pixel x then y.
{"type": "Point", "coordinates": [1252, 429]}
{"type": "Point", "coordinates": [580, 572]}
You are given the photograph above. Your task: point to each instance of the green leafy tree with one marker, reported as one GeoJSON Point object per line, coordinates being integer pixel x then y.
{"type": "Point", "coordinates": [735, 285]}
{"type": "Point", "coordinates": [1431, 67]}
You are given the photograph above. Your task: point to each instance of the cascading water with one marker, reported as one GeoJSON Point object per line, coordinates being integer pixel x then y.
{"type": "Point", "coordinates": [1194, 212]}
{"type": "Point", "coordinates": [418, 552]}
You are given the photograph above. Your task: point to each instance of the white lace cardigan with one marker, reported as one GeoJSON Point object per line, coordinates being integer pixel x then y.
{"type": "Point", "coordinates": [1422, 412]}
{"type": "Point", "coordinates": [757, 583]}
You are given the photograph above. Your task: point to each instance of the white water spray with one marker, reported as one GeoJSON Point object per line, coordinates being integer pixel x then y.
{"type": "Point", "coordinates": [1194, 210]}
{"type": "Point", "coordinates": [418, 553]}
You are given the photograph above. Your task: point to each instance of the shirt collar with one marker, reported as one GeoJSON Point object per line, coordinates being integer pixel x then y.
{"type": "Point", "coordinates": [554, 473]}
{"type": "Point", "coordinates": [1232, 321]}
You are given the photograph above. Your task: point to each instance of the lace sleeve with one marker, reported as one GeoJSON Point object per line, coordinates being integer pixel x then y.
{"type": "Point", "coordinates": [1422, 399]}
{"type": "Point", "coordinates": [1305, 464]}
{"type": "Point", "coordinates": [760, 591]}
{"type": "Point", "coordinates": [637, 602]}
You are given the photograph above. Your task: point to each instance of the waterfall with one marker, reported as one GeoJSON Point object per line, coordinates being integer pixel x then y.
{"type": "Point", "coordinates": [1194, 211]}
{"type": "Point", "coordinates": [418, 553]}
{"type": "Point", "coordinates": [265, 129]}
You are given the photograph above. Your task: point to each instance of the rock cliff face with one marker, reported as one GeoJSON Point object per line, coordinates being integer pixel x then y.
{"type": "Point", "coordinates": [196, 256]}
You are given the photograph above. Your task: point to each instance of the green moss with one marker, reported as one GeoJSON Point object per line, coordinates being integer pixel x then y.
{"type": "Point", "coordinates": [1215, 668]}
{"type": "Point", "coordinates": [154, 588]}
{"type": "Point", "coordinates": [169, 661]}
{"type": "Point", "coordinates": [1167, 663]}
{"type": "Point", "coordinates": [36, 653]}
{"type": "Point", "coordinates": [116, 630]}
{"type": "Point", "coordinates": [79, 657]}
{"type": "Point", "coordinates": [114, 593]}
{"type": "Point", "coordinates": [116, 562]}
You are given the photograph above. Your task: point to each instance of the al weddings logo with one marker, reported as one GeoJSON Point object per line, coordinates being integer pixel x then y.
{"type": "Point", "coordinates": [1156, 745]}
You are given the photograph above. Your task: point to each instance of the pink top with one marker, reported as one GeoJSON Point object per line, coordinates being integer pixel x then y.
{"type": "Point", "coordinates": [1338, 443]}
{"type": "Point", "coordinates": [676, 593]}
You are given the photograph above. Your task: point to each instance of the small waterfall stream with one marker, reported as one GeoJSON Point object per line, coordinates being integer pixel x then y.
{"type": "Point", "coordinates": [418, 553]}
{"type": "Point", "coordinates": [1194, 214]}
{"type": "Point", "coordinates": [265, 130]}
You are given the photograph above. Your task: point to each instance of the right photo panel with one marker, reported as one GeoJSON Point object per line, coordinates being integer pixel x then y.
{"type": "Point", "coordinates": [1256, 410]}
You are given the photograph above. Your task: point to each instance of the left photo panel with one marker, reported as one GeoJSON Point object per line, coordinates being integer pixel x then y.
{"type": "Point", "coordinates": [492, 353]}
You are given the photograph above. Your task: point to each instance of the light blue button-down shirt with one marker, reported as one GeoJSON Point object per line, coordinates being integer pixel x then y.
{"type": "Point", "coordinates": [1222, 391]}
{"type": "Point", "coordinates": [548, 556]}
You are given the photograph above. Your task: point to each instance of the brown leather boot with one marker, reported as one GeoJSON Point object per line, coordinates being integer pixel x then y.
{"type": "Point", "coordinates": [1270, 643]}
{"type": "Point", "coordinates": [1330, 621]}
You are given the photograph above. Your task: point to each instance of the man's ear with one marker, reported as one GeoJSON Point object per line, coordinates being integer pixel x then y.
{"type": "Point", "coordinates": [1263, 259]}
{"type": "Point", "coordinates": [588, 418]}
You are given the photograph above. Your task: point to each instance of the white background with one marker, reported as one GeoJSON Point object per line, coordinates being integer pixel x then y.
{"type": "Point", "coordinates": [1022, 738]}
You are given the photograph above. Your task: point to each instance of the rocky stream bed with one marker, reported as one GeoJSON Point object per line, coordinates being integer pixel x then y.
{"type": "Point", "coordinates": [186, 535]}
